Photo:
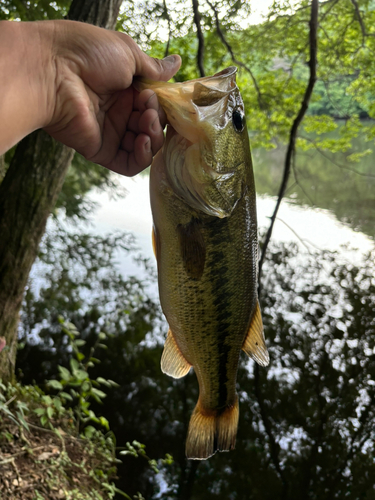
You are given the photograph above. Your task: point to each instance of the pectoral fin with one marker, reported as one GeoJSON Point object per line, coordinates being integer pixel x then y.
{"type": "Point", "coordinates": [155, 242]}
{"type": "Point", "coordinates": [173, 362]}
{"type": "Point", "coordinates": [255, 345]}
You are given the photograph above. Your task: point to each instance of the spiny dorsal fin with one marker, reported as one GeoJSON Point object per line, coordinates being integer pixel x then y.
{"type": "Point", "coordinates": [173, 362]}
{"type": "Point", "coordinates": [255, 345]}
{"type": "Point", "coordinates": [193, 249]}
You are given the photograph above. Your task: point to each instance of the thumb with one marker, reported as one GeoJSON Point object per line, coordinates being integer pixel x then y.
{"type": "Point", "coordinates": [158, 69]}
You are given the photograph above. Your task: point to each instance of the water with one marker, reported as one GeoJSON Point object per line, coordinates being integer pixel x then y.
{"type": "Point", "coordinates": [341, 215]}
{"type": "Point", "coordinates": [324, 180]}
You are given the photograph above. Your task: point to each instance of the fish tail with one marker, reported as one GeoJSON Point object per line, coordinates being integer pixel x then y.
{"type": "Point", "coordinates": [211, 431]}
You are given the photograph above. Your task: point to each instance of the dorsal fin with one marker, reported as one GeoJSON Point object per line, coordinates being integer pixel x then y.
{"type": "Point", "coordinates": [255, 345]}
{"type": "Point", "coordinates": [193, 249]}
{"type": "Point", "coordinates": [173, 362]}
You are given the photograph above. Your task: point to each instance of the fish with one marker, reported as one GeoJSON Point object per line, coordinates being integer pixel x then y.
{"type": "Point", "coordinates": [205, 240]}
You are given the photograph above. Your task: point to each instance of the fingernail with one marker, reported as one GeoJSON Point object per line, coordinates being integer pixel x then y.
{"type": "Point", "coordinates": [170, 59]}
{"type": "Point", "coordinates": [148, 146]}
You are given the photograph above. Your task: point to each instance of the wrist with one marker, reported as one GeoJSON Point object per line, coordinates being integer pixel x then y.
{"type": "Point", "coordinates": [26, 79]}
{"type": "Point", "coordinates": [37, 39]}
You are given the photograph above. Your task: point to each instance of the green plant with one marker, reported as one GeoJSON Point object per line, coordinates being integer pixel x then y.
{"type": "Point", "coordinates": [137, 449]}
{"type": "Point", "coordinates": [75, 384]}
{"type": "Point", "coordinates": [18, 417]}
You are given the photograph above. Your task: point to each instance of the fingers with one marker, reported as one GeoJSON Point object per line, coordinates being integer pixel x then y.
{"type": "Point", "coordinates": [142, 139]}
{"type": "Point", "coordinates": [148, 124]}
{"type": "Point", "coordinates": [131, 163]}
{"type": "Point", "coordinates": [147, 99]}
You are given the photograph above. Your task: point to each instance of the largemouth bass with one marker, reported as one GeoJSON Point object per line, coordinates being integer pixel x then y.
{"type": "Point", "coordinates": [205, 241]}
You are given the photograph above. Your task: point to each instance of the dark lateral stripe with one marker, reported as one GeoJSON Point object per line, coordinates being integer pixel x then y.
{"type": "Point", "coordinates": [219, 276]}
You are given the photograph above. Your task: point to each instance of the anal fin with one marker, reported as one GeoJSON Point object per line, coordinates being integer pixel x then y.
{"type": "Point", "coordinates": [255, 345]}
{"type": "Point", "coordinates": [173, 362]}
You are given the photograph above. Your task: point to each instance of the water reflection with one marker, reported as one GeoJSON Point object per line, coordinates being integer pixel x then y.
{"type": "Point", "coordinates": [306, 422]}
{"type": "Point", "coordinates": [314, 228]}
{"type": "Point", "coordinates": [325, 180]}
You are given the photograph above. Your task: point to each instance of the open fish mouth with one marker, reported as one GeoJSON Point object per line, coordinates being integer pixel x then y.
{"type": "Point", "coordinates": [187, 104]}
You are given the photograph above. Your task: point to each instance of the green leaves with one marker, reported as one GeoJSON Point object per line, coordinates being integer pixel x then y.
{"type": "Point", "coordinates": [55, 384]}
{"type": "Point", "coordinates": [75, 384]}
{"type": "Point", "coordinates": [137, 449]}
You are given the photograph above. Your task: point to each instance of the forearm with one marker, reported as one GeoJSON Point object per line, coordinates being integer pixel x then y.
{"type": "Point", "coordinates": [26, 79]}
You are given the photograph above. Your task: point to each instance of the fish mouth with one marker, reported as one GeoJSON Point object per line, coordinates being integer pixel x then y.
{"type": "Point", "coordinates": [188, 104]}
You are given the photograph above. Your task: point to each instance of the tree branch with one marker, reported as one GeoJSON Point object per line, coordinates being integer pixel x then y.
{"type": "Point", "coordinates": [168, 17]}
{"type": "Point", "coordinates": [360, 20]}
{"type": "Point", "coordinates": [293, 132]}
{"type": "Point", "coordinates": [234, 59]}
{"type": "Point", "coordinates": [200, 52]}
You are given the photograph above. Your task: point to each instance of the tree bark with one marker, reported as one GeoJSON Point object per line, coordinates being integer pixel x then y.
{"type": "Point", "coordinates": [28, 194]}
{"type": "Point", "coordinates": [2, 167]}
{"type": "Point", "coordinates": [200, 51]}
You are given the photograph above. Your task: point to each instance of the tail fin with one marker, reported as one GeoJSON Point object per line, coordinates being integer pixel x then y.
{"type": "Point", "coordinates": [211, 431]}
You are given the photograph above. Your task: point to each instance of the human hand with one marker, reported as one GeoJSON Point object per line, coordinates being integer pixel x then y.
{"type": "Point", "coordinates": [96, 111]}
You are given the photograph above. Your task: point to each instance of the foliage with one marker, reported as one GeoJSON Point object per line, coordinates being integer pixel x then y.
{"type": "Point", "coordinates": [33, 11]}
{"type": "Point", "coordinates": [66, 417]}
{"type": "Point", "coordinates": [76, 380]}
{"type": "Point", "coordinates": [83, 177]}
{"type": "Point", "coordinates": [77, 273]}
{"type": "Point", "coordinates": [77, 467]}
{"type": "Point", "coordinates": [138, 450]}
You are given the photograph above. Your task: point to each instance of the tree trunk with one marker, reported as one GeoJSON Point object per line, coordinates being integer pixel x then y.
{"type": "Point", "coordinates": [2, 167]}
{"type": "Point", "coordinates": [28, 194]}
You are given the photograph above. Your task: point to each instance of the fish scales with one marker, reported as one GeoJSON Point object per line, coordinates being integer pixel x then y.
{"type": "Point", "coordinates": [205, 239]}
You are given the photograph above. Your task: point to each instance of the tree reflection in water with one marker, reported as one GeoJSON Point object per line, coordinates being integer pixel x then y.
{"type": "Point", "coordinates": [306, 422]}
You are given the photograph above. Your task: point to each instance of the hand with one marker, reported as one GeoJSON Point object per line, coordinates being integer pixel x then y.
{"type": "Point", "coordinates": [75, 81]}
{"type": "Point", "coordinates": [97, 111]}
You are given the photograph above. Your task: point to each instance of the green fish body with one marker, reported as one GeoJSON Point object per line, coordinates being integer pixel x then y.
{"type": "Point", "coordinates": [205, 241]}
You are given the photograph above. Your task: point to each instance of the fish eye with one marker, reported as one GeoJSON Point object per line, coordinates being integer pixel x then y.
{"type": "Point", "coordinates": [238, 119]}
